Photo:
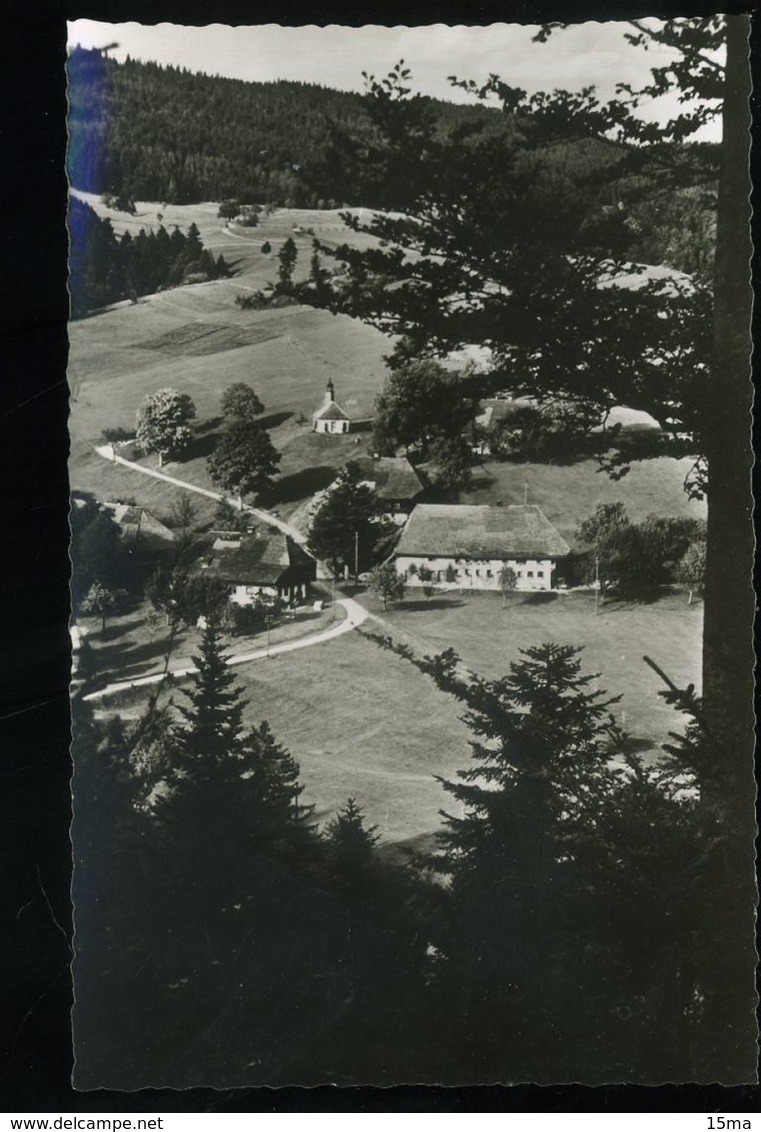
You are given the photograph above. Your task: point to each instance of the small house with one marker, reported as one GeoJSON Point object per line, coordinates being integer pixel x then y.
{"type": "Point", "coordinates": [260, 566]}
{"type": "Point", "coordinates": [330, 417]}
{"type": "Point", "coordinates": [395, 482]}
{"type": "Point", "coordinates": [467, 547]}
{"type": "Point", "coordinates": [138, 523]}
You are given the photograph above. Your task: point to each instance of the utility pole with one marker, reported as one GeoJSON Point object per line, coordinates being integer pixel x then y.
{"type": "Point", "coordinates": [525, 494]}
{"type": "Point", "coordinates": [356, 555]}
{"type": "Point", "coordinates": [333, 596]}
{"type": "Point", "coordinates": [597, 585]}
{"type": "Point", "coordinates": [268, 622]}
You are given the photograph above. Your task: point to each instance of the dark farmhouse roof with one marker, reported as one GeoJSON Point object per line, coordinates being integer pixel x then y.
{"type": "Point", "coordinates": [258, 561]}
{"type": "Point", "coordinates": [393, 476]}
{"type": "Point", "coordinates": [454, 531]}
{"type": "Point", "coordinates": [132, 518]}
{"type": "Point", "coordinates": [331, 412]}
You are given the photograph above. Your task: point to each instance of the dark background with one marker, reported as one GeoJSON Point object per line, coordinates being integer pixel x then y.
{"type": "Point", "coordinates": [35, 866]}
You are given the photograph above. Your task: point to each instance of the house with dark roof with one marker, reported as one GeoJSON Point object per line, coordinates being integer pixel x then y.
{"type": "Point", "coordinates": [394, 481]}
{"type": "Point", "coordinates": [467, 547]}
{"type": "Point", "coordinates": [257, 566]}
{"type": "Point", "coordinates": [330, 417]}
{"type": "Point", "coordinates": [138, 522]}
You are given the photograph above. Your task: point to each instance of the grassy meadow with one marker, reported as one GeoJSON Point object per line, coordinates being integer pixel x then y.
{"type": "Point", "coordinates": [365, 723]}
{"type": "Point", "coordinates": [360, 720]}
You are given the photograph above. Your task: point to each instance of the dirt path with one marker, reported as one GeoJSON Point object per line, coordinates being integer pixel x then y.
{"type": "Point", "coordinates": [355, 615]}
{"type": "Point", "coordinates": [108, 453]}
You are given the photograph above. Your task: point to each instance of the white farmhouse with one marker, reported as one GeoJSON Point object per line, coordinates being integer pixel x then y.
{"type": "Point", "coordinates": [467, 547]}
{"type": "Point", "coordinates": [330, 417]}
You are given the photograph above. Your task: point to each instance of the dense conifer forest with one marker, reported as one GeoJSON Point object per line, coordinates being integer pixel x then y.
{"type": "Point", "coordinates": [164, 134]}
{"type": "Point", "coordinates": [147, 132]}
{"type": "Point", "coordinates": [106, 268]}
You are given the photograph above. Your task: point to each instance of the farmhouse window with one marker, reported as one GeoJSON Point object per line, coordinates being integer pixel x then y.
{"type": "Point", "coordinates": [540, 573]}
{"type": "Point", "coordinates": [529, 573]}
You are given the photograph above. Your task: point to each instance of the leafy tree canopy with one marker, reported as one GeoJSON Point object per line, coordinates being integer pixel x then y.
{"type": "Point", "coordinates": [240, 400]}
{"type": "Point", "coordinates": [245, 459]}
{"type": "Point", "coordinates": [421, 401]}
{"type": "Point", "coordinates": [163, 423]}
{"type": "Point", "coordinates": [388, 583]}
{"type": "Point", "coordinates": [346, 529]}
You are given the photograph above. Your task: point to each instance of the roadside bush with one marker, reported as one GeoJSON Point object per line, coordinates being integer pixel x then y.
{"type": "Point", "coordinates": [255, 301]}
{"type": "Point", "coordinates": [115, 434]}
{"type": "Point", "coordinates": [577, 569]}
{"type": "Point", "coordinates": [130, 449]}
{"type": "Point", "coordinates": [246, 618]}
{"type": "Point", "coordinates": [248, 217]}
{"type": "Point", "coordinates": [229, 518]}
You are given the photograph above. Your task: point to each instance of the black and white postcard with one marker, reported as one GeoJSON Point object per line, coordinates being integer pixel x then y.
{"type": "Point", "coordinates": [411, 554]}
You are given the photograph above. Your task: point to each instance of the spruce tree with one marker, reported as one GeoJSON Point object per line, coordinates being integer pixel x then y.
{"type": "Point", "coordinates": [231, 796]}
{"type": "Point", "coordinates": [350, 847]}
{"type": "Point", "coordinates": [562, 843]}
{"type": "Point", "coordinates": [287, 255]}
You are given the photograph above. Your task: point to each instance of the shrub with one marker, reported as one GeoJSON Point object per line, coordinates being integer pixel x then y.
{"type": "Point", "coordinates": [228, 518]}
{"type": "Point", "coordinates": [246, 618]}
{"type": "Point", "coordinates": [115, 434]}
{"type": "Point", "coordinates": [254, 301]}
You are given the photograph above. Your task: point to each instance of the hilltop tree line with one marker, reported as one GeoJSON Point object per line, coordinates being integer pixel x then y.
{"type": "Point", "coordinates": [106, 268]}
{"type": "Point", "coordinates": [148, 132]}
{"type": "Point", "coordinates": [238, 944]}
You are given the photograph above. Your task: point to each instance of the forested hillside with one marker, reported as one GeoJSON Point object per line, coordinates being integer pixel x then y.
{"type": "Point", "coordinates": [146, 132]}
{"type": "Point", "coordinates": [164, 134]}
{"type": "Point", "coordinates": [105, 268]}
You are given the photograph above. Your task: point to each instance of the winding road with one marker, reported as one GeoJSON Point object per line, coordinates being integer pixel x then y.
{"type": "Point", "coordinates": [108, 452]}
{"type": "Point", "coordinates": [355, 613]}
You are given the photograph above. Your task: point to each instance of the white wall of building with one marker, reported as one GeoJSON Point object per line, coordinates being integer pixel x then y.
{"type": "Point", "coordinates": [248, 595]}
{"type": "Point", "coordinates": [331, 426]}
{"type": "Point", "coordinates": [476, 574]}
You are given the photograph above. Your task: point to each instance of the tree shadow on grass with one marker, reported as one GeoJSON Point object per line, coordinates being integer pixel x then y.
{"type": "Point", "coordinates": [124, 659]}
{"type": "Point", "coordinates": [299, 485]}
{"type": "Point", "coordinates": [209, 425]}
{"type": "Point", "coordinates": [201, 446]}
{"type": "Point", "coordinates": [614, 603]}
{"type": "Point", "coordinates": [478, 484]}
{"type": "Point", "coordinates": [274, 419]}
{"type": "Point", "coordinates": [542, 597]}
{"type": "Point", "coordinates": [113, 632]}
{"type": "Point", "coordinates": [416, 606]}
{"type": "Point", "coordinates": [637, 746]}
